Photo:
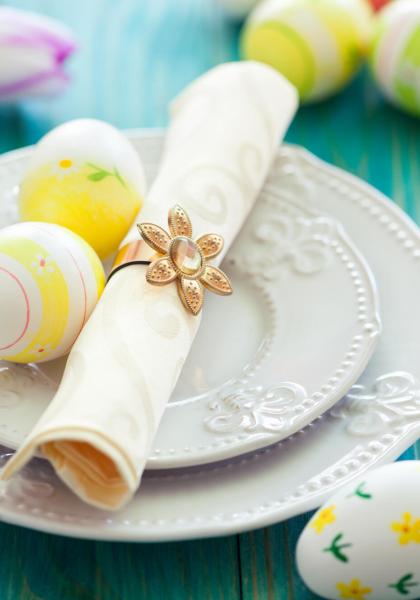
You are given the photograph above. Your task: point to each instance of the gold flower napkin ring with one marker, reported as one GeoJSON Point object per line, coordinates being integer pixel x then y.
{"type": "Point", "coordinates": [177, 257]}
{"type": "Point", "coordinates": [181, 258]}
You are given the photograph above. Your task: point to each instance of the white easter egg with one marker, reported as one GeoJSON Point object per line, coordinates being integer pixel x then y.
{"type": "Point", "coordinates": [318, 45]}
{"type": "Point", "coordinates": [364, 543]}
{"type": "Point", "coordinates": [50, 281]}
{"type": "Point", "coordinates": [395, 56]}
{"type": "Point", "coordinates": [85, 175]}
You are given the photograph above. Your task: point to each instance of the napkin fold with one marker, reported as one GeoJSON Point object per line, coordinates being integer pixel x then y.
{"type": "Point", "coordinates": [100, 426]}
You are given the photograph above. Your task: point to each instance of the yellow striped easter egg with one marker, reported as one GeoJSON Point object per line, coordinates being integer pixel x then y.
{"type": "Point", "coordinates": [395, 58]}
{"type": "Point", "coordinates": [85, 175]}
{"type": "Point", "coordinates": [50, 281]}
{"type": "Point", "coordinates": [317, 44]}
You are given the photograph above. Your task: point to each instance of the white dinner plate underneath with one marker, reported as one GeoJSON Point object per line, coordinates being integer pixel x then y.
{"type": "Point", "coordinates": [373, 425]}
{"type": "Point", "coordinates": [296, 334]}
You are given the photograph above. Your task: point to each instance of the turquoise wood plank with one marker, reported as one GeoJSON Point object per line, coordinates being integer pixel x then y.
{"type": "Point", "coordinates": [134, 57]}
{"type": "Point", "coordinates": [268, 566]}
{"type": "Point", "coordinates": [36, 566]}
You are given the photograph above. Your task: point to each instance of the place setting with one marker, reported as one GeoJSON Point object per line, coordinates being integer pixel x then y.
{"type": "Point", "coordinates": [241, 408]}
{"type": "Point", "coordinates": [206, 331]}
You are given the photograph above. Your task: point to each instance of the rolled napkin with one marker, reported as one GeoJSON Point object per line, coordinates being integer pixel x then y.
{"type": "Point", "coordinates": [99, 428]}
{"type": "Point", "coordinates": [33, 50]}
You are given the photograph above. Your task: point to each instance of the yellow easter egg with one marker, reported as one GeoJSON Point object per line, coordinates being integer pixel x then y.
{"type": "Point", "coordinates": [317, 44]}
{"type": "Point", "coordinates": [86, 176]}
{"type": "Point", "coordinates": [50, 281]}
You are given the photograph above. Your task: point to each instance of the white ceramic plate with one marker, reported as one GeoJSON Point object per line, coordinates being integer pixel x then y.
{"type": "Point", "coordinates": [373, 425]}
{"type": "Point", "coordinates": [296, 335]}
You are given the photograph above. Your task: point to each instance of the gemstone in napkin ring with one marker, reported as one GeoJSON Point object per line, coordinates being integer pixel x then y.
{"type": "Point", "coordinates": [182, 259]}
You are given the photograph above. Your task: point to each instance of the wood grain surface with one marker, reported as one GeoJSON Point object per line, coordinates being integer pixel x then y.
{"type": "Point", "coordinates": [134, 56]}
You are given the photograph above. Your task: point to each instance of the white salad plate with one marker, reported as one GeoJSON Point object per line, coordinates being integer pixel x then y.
{"type": "Point", "coordinates": [298, 332]}
{"type": "Point", "coordinates": [375, 423]}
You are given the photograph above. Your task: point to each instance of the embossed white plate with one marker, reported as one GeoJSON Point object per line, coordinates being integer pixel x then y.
{"type": "Point", "coordinates": [373, 425]}
{"type": "Point", "coordinates": [297, 333]}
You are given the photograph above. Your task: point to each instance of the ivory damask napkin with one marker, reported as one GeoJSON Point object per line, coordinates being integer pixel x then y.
{"type": "Point", "coordinates": [99, 428]}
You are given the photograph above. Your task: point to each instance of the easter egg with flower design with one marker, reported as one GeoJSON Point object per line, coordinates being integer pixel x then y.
{"type": "Point", "coordinates": [86, 176]}
{"type": "Point", "coordinates": [364, 543]}
{"type": "Point", "coordinates": [50, 281]}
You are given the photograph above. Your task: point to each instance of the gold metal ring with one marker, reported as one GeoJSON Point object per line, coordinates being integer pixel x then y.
{"type": "Point", "coordinates": [133, 253]}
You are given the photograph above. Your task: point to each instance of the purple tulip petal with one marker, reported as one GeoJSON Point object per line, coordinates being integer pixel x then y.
{"type": "Point", "coordinates": [36, 83]}
{"type": "Point", "coordinates": [61, 48]}
{"type": "Point", "coordinates": [48, 45]}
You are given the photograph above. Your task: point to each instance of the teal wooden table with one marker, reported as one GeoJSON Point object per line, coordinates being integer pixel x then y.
{"type": "Point", "coordinates": [134, 56]}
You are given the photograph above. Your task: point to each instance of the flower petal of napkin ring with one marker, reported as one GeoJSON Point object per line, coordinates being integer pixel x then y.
{"type": "Point", "coordinates": [183, 259]}
{"type": "Point", "coordinates": [180, 258]}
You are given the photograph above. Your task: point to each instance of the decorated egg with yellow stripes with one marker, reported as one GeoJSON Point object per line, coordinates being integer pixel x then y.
{"type": "Point", "coordinates": [395, 58]}
{"type": "Point", "coordinates": [50, 281]}
{"type": "Point", "coordinates": [85, 175]}
{"type": "Point", "coordinates": [317, 44]}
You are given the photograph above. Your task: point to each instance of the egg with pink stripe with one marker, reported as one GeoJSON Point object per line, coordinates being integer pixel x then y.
{"type": "Point", "coordinates": [50, 281]}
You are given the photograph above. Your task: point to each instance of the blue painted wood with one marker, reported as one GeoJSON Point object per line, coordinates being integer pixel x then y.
{"type": "Point", "coordinates": [37, 566]}
{"type": "Point", "coordinates": [134, 57]}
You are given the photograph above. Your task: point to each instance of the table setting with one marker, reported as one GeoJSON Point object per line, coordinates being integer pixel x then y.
{"type": "Point", "coordinates": [205, 329]}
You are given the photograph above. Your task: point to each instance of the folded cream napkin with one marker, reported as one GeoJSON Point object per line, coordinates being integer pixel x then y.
{"type": "Point", "coordinates": [99, 428]}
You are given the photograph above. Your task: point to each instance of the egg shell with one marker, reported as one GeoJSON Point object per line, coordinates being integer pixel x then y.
{"type": "Point", "coordinates": [364, 543]}
{"type": "Point", "coordinates": [50, 281]}
{"type": "Point", "coordinates": [317, 44]}
{"type": "Point", "coordinates": [86, 176]}
{"type": "Point", "coordinates": [395, 57]}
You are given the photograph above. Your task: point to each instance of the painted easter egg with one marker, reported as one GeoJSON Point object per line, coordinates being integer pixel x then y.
{"type": "Point", "coordinates": [50, 281]}
{"type": "Point", "coordinates": [317, 44]}
{"type": "Point", "coordinates": [364, 543]}
{"type": "Point", "coordinates": [395, 57]}
{"type": "Point", "coordinates": [86, 176]}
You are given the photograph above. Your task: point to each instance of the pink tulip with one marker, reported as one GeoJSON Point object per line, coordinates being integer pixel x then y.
{"type": "Point", "coordinates": [33, 49]}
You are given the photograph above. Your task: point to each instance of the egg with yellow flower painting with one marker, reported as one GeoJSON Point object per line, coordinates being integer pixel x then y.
{"type": "Point", "coordinates": [364, 543]}
{"type": "Point", "coordinates": [86, 176]}
{"type": "Point", "coordinates": [50, 281]}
